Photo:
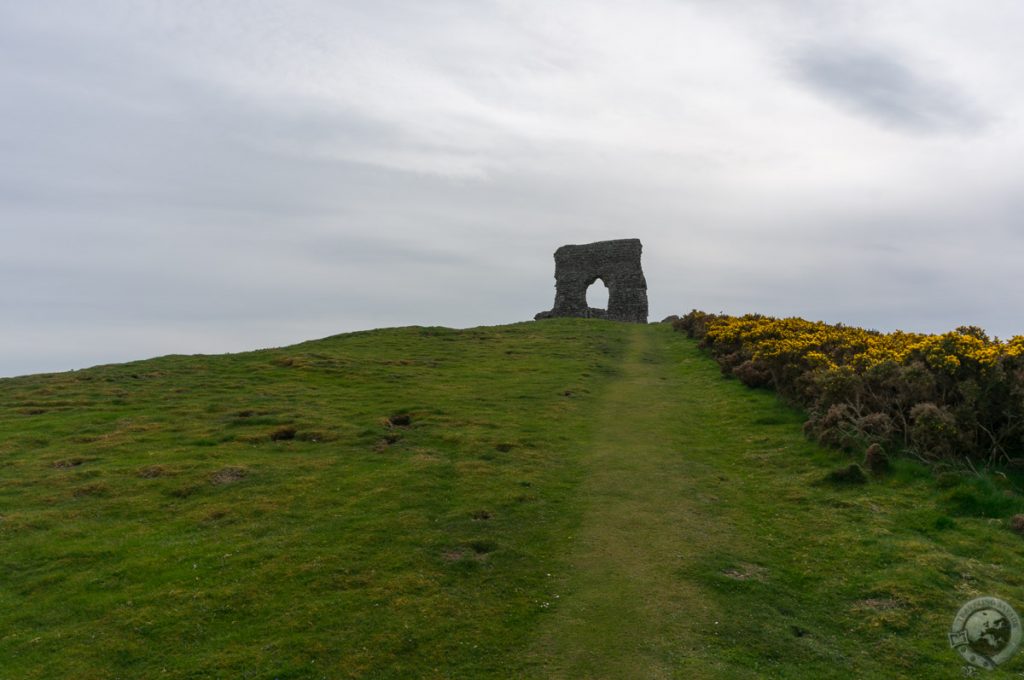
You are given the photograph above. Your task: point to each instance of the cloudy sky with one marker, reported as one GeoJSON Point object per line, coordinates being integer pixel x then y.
{"type": "Point", "coordinates": [183, 177]}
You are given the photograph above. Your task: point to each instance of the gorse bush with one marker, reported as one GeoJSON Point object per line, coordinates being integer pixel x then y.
{"type": "Point", "coordinates": [958, 396]}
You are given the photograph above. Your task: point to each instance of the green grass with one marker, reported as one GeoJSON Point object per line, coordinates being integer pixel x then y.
{"type": "Point", "coordinates": [570, 498]}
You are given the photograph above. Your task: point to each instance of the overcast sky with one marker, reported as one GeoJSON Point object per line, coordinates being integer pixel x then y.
{"type": "Point", "coordinates": [183, 177]}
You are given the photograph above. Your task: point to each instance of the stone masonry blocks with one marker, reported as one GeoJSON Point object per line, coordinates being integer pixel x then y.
{"type": "Point", "coordinates": [617, 264]}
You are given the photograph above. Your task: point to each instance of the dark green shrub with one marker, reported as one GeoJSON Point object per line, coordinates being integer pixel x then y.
{"type": "Point", "coordinates": [934, 432]}
{"type": "Point", "coordinates": [875, 460]}
{"type": "Point", "coordinates": [753, 374]}
{"type": "Point", "coordinates": [950, 399]}
{"type": "Point", "coordinates": [876, 427]}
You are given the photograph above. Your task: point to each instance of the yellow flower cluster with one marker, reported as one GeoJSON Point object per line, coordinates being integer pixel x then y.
{"type": "Point", "coordinates": [814, 344]}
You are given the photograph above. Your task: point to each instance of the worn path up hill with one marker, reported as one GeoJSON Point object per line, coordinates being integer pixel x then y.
{"type": "Point", "coordinates": [626, 612]}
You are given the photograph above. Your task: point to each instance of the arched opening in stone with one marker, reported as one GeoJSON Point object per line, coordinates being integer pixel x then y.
{"type": "Point", "coordinates": [578, 267]}
{"type": "Point", "coordinates": [597, 295]}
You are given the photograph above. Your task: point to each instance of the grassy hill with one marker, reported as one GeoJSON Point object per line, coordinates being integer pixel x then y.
{"type": "Point", "coordinates": [569, 498]}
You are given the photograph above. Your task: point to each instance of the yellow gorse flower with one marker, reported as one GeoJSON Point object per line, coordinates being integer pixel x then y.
{"type": "Point", "coordinates": [815, 344]}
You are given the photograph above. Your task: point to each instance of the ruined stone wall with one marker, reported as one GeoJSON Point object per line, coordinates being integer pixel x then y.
{"type": "Point", "coordinates": [617, 264]}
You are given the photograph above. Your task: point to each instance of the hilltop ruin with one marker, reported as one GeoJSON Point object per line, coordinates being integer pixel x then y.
{"type": "Point", "coordinates": [617, 264]}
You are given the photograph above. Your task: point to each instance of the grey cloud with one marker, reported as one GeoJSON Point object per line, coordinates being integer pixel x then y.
{"type": "Point", "coordinates": [149, 202]}
{"type": "Point", "coordinates": [886, 90]}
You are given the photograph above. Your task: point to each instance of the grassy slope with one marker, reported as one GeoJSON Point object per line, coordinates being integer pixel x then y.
{"type": "Point", "coordinates": [149, 526]}
{"type": "Point", "coordinates": [337, 554]}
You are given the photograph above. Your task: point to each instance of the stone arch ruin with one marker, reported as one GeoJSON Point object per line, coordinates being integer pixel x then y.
{"type": "Point", "coordinates": [617, 263]}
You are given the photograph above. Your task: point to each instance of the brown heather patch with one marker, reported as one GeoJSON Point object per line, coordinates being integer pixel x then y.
{"type": "Point", "coordinates": [95, 489]}
{"type": "Point", "coordinates": [215, 514]}
{"type": "Point", "coordinates": [152, 471]}
{"type": "Point", "coordinates": [398, 420]}
{"type": "Point", "coordinates": [744, 571]}
{"type": "Point", "coordinates": [228, 475]}
{"type": "Point", "coordinates": [878, 604]}
{"type": "Point", "coordinates": [283, 433]}
{"type": "Point", "coordinates": [68, 463]}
